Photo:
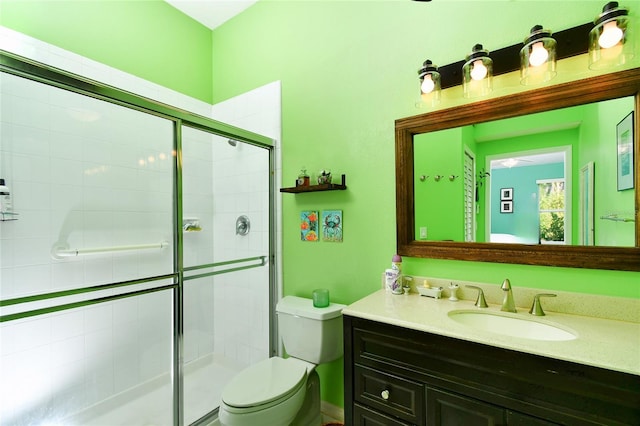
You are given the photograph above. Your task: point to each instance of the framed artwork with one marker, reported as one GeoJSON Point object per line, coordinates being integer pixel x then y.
{"type": "Point", "coordinates": [309, 225]}
{"type": "Point", "coordinates": [332, 226]}
{"type": "Point", "coordinates": [624, 144]}
{"type": "Point", "coordinates": [506, 206]}
{"type": "Point", "coordinates": [506, 194]}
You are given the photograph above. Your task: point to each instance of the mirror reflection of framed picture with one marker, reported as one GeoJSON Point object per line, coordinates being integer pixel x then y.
{"type": "Point", "coordinates": [506, 194]}
{"type": "Point", "coordinates": [624, 144]}
{"type": "Point", "coordinates": [506, 206]}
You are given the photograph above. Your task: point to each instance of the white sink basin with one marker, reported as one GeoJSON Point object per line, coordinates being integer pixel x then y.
{"type": "Point", "coordinates": [508, 325]}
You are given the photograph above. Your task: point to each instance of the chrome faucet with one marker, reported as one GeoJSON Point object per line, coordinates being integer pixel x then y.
{"type": "Point", "coordinates": [480, 301]}
{"type": "Point", "coordinates": [536, 308]}
{"type": "Point", "coordinates": [508, 305]}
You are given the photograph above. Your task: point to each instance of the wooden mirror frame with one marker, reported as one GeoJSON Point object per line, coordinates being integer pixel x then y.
{"type": "Point", "coordinates": [594, 89]}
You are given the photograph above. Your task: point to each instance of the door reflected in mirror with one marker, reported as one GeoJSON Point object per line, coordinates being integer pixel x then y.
{"type": "Point", "coordinates": [536, 182]}
{"type": "Point", "coordinates": [521, 180]}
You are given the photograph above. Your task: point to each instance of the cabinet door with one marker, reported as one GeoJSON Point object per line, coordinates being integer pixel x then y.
{"type": "Point", "coordinates": [447, 409]}
{"type": "Point", "coordinates": [363, 416]}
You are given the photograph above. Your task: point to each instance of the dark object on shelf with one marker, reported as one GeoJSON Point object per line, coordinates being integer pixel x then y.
{"type": "Point", "coordinates": [317, 188]}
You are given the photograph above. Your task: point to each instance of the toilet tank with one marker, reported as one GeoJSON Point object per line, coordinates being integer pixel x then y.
{"type": "Point", "coordinates": [309, 333]}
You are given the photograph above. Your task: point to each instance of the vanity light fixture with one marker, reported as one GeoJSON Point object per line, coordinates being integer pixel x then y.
{"type": "Point", "coordinates": [429, 83]}
{"type": "Point", "coordinates": [477, 73]}
{"type": "Point", "coordinates": [609, 41]}
{"type": "Point", "coordinates": [538, 57]}
{"type": "Point", "coordinates": [574, 41]}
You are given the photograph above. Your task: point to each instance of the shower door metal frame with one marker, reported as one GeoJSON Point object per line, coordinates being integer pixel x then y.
{"type": "Point", "coordinates": [35, 71]}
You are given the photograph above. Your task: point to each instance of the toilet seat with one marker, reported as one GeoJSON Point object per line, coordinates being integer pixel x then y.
{"type": "Point", "coordinates": [264, 385]}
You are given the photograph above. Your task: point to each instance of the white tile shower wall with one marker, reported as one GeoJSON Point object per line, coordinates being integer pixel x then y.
{"type": "Point", "coordinates": [241, 188]}
{"type": "Point", "coordinates": [258, 111]}
{"type": "Point", "coordinates": [222, 182]}
{"type": "Point", "coordinates": [245, 337]}
{"type": "Point", "coordinates": [115, 190]}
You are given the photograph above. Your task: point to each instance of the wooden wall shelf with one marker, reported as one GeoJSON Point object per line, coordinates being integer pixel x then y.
{"type": "Point", "coordinates": [317, 188]}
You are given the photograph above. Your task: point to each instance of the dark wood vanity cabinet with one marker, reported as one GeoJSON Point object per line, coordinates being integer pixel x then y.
{"type": "Point", "coordinates": [398, 376]}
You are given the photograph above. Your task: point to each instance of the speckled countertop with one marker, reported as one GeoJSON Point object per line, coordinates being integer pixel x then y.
{"type": "Point", "coordinates": [606, 343]}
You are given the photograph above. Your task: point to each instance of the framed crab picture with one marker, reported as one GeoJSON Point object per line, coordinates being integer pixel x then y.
{"type": "Point", "coordinates": [332, 226]}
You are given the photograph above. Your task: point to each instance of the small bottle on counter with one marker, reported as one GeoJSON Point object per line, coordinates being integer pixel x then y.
{"type": "Point", "coordinates": [453, 289]}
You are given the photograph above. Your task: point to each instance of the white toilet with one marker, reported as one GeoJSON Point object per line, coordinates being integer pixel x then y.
{"type": "Point", "coordinates": [286, 391]}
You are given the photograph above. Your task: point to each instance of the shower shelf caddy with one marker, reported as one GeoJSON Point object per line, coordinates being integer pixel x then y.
{"type": "Point", "coordinates": [317, 188]}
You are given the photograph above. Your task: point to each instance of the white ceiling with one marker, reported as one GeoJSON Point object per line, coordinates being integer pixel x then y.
{"type": "Point", "coordinates": [211, 13]}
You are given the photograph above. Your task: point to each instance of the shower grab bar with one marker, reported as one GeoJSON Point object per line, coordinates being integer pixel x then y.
{"type": "Point", "coordinates": [61, 252]}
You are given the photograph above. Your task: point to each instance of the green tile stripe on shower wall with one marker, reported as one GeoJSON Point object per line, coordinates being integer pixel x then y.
{"type": "Point", "coordinates": [149, 39]}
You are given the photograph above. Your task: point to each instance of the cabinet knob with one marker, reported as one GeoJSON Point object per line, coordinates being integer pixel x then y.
{"type": "Point", "coordinates": [385, 394]}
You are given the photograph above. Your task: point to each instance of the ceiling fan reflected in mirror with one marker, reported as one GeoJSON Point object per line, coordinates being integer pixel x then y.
{"type": "Point", "coordinates": [527, 160]}
{"type": "Point", "coordinates": [513, 162]}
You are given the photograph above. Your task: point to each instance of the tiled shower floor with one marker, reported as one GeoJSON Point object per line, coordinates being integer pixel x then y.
{"type": "Point", "coordinates": [151, 405]}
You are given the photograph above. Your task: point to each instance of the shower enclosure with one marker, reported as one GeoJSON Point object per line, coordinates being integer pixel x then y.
{"type": "Point", "coordinates": [137, 260]}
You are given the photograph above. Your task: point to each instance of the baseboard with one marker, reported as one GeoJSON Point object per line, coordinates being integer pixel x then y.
{"type": "Point", "coordinates": [331, 411]}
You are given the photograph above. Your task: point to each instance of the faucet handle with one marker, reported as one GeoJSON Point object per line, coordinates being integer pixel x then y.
{"type": "Point", "coordinates": [480, 301]}
{"type": "Point", "coordinates": [506, 285]}
{"type": "Point", "coordinates": [536, 308]}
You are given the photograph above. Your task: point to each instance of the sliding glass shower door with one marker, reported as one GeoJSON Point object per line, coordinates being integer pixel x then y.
{"type": "Point", "coordinates": [226, 236]}
{"type": "Point", "coordinates": [87, 274]}
{"type": "Point", "coordinates": [136, 259]}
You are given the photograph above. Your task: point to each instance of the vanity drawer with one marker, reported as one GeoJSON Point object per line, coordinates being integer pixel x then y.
{"type": "Point", "coordinates": [390, 394]}
{"type": "Point", "coordinates": [364, 416]}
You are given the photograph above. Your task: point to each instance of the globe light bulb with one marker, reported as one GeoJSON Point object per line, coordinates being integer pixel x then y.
{"type": "Point", "coordinates": [427, 84]}
{"type": "Point", "coordinates": [539, 55]}
{"type": "Point", "coordinates": [479, 71]}
{"type": "Point", "coordinates": [611, 35]}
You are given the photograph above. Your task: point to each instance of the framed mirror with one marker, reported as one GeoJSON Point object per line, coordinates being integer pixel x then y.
{"type": "Point", "coordinates": [459, 209]}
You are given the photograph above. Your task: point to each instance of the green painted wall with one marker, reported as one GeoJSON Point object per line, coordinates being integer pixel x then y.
{"type": "Point", "coordinates": [608, 200]}
{"type": "Point", "coordinates": [441, 206]}
{"type": "Point", "coordinates": [149, 39]}
{"type": "Point", "coordinates": [348, 70]}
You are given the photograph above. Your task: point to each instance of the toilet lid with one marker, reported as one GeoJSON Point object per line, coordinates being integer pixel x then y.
{"type": "Point", "coordinates": [264, 382]}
